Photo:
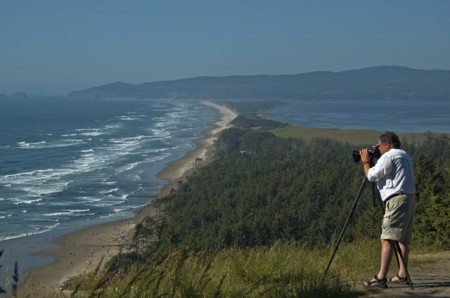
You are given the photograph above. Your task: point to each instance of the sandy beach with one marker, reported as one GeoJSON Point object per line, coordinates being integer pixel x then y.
{"type": "Point", "coordinates": [82, 251]}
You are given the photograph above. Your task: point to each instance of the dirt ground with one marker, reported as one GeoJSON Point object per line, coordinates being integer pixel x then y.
{"type": "Point", "coordinates": [430, 277]}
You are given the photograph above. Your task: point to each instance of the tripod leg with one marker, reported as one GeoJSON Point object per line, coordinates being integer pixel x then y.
{"type": "Point", "coordinates": [396, 255]}
{"type": "Point", "coordinates": [400, 253]}
{"type": "Point", "coordinates": [345, 226]}
{"type": "Point", "coordinates": [373, 194]}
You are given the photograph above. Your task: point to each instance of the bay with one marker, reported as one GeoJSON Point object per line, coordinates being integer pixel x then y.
{"type": "Point", "coordinates": [397, 116]}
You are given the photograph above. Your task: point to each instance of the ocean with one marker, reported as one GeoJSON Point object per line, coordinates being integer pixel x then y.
{"type": "Point", "coordinates": [397, 116]}
{"type": "Point", "coordinates": [66, 164]}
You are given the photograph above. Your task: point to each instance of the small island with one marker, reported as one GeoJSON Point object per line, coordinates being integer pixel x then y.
{"type": "Point", "coordinates": [19, 95]}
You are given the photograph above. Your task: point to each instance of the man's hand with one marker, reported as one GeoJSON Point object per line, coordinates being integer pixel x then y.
{"type": "Point", "coordinates": [364, 155]}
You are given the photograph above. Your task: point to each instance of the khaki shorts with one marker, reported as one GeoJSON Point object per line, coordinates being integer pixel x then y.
{"type": "Point", "coordinates": [398, 218]}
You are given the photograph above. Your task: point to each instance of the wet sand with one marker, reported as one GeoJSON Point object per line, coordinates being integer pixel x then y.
{"type": "Point", "coordinates": [82, 251]}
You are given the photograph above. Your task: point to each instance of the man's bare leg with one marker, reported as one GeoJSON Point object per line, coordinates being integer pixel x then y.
{"type": "Point", "coordinates": [386, 257]}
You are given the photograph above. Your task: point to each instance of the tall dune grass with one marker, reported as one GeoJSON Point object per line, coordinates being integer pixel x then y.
{"type": "Point", "coordinates": [283, 269]}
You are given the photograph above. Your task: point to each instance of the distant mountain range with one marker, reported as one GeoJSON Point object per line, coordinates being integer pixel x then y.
{"type": "Point", "coordinates": [373, 83]}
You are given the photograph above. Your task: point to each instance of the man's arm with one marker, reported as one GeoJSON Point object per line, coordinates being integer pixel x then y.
{"type": "Point", "coordinates": [365, 160]}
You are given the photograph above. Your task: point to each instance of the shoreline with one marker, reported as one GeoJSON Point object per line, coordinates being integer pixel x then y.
{"type": "Point", "coordinates": [84, 250]}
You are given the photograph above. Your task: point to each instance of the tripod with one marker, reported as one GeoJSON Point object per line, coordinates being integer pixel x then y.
{"type": "Point", "coordinates": [396, 245]}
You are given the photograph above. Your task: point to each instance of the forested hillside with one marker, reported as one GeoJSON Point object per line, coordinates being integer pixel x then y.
{"type": "Point", "coordinates": [262, 188]}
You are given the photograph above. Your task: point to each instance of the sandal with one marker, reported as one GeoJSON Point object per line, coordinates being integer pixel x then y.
{"type": "Point", "coordinates": [377, 283]}
{"type": "Point", "coordinates": [399, 280]}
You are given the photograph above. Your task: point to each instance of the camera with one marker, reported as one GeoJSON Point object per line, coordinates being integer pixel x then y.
{"type": "Point", "coordinates": [374, 152]}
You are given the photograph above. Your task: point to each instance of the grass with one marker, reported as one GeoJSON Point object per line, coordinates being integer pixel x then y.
{"type": "Point", "coordinates": [283, 269]}
{"type": "Point", "coordinates": [350, 136]}
{"type": "Point", "coordinates": [5, 281]}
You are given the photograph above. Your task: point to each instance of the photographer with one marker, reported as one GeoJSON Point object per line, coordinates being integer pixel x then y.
{"type": "Point", "coordinates": [394, 176]}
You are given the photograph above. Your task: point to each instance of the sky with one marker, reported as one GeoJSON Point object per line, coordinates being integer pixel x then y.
{"type": "Point", "coordinates": [53, 47]}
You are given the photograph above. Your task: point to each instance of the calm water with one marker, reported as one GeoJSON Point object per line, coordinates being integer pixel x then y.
{"type": "Point", "coordinates": [393, 116]}
{"type": "Point", "coordinates": [70, 163]}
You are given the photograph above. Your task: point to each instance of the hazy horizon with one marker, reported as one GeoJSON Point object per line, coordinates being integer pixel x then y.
{"type": "Point", "coordinates": [54, 47]}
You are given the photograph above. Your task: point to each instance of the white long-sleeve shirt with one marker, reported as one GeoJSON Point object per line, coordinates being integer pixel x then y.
{"type": "Point", "coordinates": [394, 173]}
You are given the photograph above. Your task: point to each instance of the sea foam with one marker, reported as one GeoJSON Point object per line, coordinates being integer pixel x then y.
{"type": "Point", "coordinates": [98, 163]}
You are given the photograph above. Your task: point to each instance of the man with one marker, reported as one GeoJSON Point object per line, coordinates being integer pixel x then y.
{"type": "Point", "coordinates": [394, 175]}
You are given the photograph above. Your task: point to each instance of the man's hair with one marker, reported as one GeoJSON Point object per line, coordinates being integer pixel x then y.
{"type": "Point", "coordinates": [391, 139]}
